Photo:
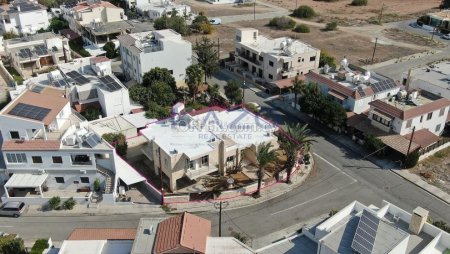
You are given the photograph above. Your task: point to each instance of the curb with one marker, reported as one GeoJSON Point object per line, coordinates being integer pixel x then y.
{"type": "Point", "coordinates": [424, 189]}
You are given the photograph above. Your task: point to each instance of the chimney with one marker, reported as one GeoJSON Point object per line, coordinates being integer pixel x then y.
{"type": "Point", "coordinates": [418, 219]}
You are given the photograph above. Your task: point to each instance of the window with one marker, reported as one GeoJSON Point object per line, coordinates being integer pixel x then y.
{"type": "Point", "coordinates": [238, 38]}
{"type": "Point", "coordinates": [230, 159]}
{"type": "Point", "coordinates": [189, 164]}
{"type": "Point", "coordinates": [381, 120]}
{"type": "Point", "coordinates": [409, 123]}
{"type": "Point", "coordinates": [270, 76]}
{"type": "Point", "coordinates": [16, 158]}
{"type": "Point", "coordinates": [313, 58]}
{"type": "Point", "coordinates": [81, 159]}
{"type": "Point", "coordinates": [299, 59]}
{"type": "Point", "coordinates": [171, 72]}
{"type": "Point", "coordinates": [205, 160]}
{"type": "Point", "coordinates": [59, 179]}
{"type": "Point", "coordinates": [261, 59]}
{"type": "Point", "coordinates": [438, 127]}
{"type": "Point", "coordinates": [271, 63]}
{"type": "Point", "coordinates": [36, 159]}
{"type": "Point", "coordinates": [14, 134]}
{"type": "Point", "coordinates": [255, 35]}
{"type": "Point", "coordinates": [429, 116]}
{"type": "Point", "coordinates": [441, 113]}
{"type": "Point", "coordinates": [421, 118]}
{"type": "Point", "coordinates": [57, 160]}
{"type": "Point", "coordinates": [84, 179]}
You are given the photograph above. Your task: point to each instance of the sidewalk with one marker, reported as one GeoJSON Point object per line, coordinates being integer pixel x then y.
{"type": "Point", "coordinates": [348, 143]}
{"type": "Point", "coordinates": [267, 193]}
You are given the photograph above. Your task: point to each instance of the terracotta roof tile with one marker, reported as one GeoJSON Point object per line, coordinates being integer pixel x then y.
{"type": "Point", "coordinates": [286, 83]}
{"type": "Point", "coordinates": [103, 234]}
{"type": "Point", "coordinates": [51, 98]}
{"type": "Point", "coordinates": [423, 137]}
{"type": "Point", "coordinates": [31, 145]}
{"type": "Point", "coordinates": [184, 231]}
{"type": "Point", "coordinates": [331, 84]}
{"type": "Point", "coordinates": [99, 59]}
{"type": "Point", "coordinates": [410, 113]}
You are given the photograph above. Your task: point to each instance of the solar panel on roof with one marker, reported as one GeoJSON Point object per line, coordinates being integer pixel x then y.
{"type": "Point", "coordinates": [110, 83]}
{"type": "Point", "coordinates": [59, 83]}
{"type": "Point", "coordinates": [29, 111]}
{"type": "Point", "coordinates": [92, 140]}
{"type": "Point", "coordinates": [77, 77]}
{"type": "Point", "coordinates": [365, 234]}
{"type": "Point", "coordinates": [25, 53]}
{"type": "Point", "coordinates": [361, 91]}
{"type": "Point", "coordinates": [37, 89]}
{"type": "Point", "coordinates": [41, 50]}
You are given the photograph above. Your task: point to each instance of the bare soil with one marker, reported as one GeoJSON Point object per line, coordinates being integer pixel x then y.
{"type": "Point", "coordinates": [347, 14]}
{"type": "Point", "coordinates": [358, 49]}
{"type": "Point", "coordinates": [435, 170]}
{"type": "Point", "coordinates": [217, 10]}
{"type": "Point", "coordinates": [400, 35]}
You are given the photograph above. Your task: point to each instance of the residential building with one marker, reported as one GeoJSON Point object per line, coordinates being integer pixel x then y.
{"type": "Point", "coordinates": [229, 1]}
{"type": "Point", "coordinates": [352, 87]}
{"type": "Point", "coordinates": [97, 22]}
{"type": "Point", "coordinates": [50, 150]}
{"type": "Point", "coordinates": [141, 52]}
{"type": "Point", "coordinates": [35, 53]}
{"type": "Point", "coordinates": [358, 228]}
{"type": "Point", "coordinates": [188, 146]}
{"type": "Point", "coordinates": [157, 9]}
{"type": "Point", "coordinates": [266, 60]}
{"type": "Point", "coordinates": [23, 17]}
{"type": "Point", "coordinates": [433, 78]}
{"type": "Point", "coordinates": [88, 82]}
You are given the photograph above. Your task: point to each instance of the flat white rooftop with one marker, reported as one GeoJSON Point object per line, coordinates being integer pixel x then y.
{"type": "Point", "coordinates": [439, 75]}
{"type": "Point", "coordinates": [272, 46]}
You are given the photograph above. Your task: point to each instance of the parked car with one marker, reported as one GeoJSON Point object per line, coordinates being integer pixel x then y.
{"type": "Point", "coordinates": [13, 208]}
{"type": "Point", "coordinates": [215, 21]}
{"type": "Point", "coordinates": [254, 105]}
{"type": "Point", "coordinates": [446, 36]}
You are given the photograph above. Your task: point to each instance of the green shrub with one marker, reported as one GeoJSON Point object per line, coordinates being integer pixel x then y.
{"type": "Point", "coordinates": [69, 204]}
{"type": "Point", "coordinates": [359, 2]}
{"type": "Point", "coordinates": [39, 246]}
{"type": "Point", "coordinates": [119, 141]}
{"type": "Point", "coordinates": [282, 23]}
{"type": "Point", "coordinates": [301, 28]}
{"type": "Point", "coordinates": [97, 184]}
{"type": "Point", "coordinates": [412, 160]}
{"type": "Point", "coordinates": [374, 144]}
{"type": "Point", "coordinates": [325, 59]}
{"type": "Point", "coordinates": [304, 11]}
{"type": "Point", "coordinates": [15, 246]}
{"type": "Point", "coordinates": [331, 26]}
{"type": "Point", "coordinates": [54, 202]}
{"type": "Point", "coordinates": [91, 114]}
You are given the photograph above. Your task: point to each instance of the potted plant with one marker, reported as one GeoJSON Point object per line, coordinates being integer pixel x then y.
{"type": "Point", "coordinates": [97, 184]}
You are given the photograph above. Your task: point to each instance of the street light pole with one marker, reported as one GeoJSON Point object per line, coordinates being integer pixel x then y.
{"type": "Point", "coordinates": [220, 206]}
{"type": "Point", "coordinates": [374, 49]}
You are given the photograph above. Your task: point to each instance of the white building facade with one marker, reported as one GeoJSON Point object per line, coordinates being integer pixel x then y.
{"type": "Point", "coordinates": [24, 17]}
{"type": "Point", "coordinates": [141, 52]}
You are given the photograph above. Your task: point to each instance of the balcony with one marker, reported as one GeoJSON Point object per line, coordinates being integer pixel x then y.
{"type": "Point", "coordinates": [193, 174]}
{"type": "Point", "coordinates": [249, 58]}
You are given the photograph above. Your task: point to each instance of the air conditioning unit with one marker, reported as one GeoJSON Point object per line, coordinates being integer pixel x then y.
{"type": "Point", "coordinates": [41, 171]}
{"type": "Point", "coordinates": [83, 172]}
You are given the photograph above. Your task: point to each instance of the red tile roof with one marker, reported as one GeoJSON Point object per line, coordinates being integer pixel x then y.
{"type": "Point", "coordinates": [183, 232]}
{"type": "Point", "coordinates": [99, 59]}
{"type": "Point", "coordinates": [423, 137]}
{"type": "Point", "coordinates": [31, 145]}
{"type": "Point", "coordinates": [286, 83]}
{"type": "Point", "coordinates": [331, 84]}
{"type": "Point", "coordinates": [412, 112]}
{"type": "Point", "coordinates": [103, 234]}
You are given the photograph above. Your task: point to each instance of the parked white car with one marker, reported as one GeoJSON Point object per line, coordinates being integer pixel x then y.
{"type": "Point", "coordinates": [446, 36]}
{"type": "Point", "coordinates": [215, 21]}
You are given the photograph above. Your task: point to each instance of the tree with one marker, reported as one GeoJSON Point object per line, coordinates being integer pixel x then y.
{"type": "Point", "coordinates": [119, 141]}
{"type": "Point", "coordinates": [233, 92]}
{"type": "Point", "coordinates": [139, 93]}
{"type": "Point", "coordinates": [159, 74]}
{"type": "Point", "coordinates": [15, 246]}
{"type": "Point", "coordinates": [161, 23]}
{"type": "Point", "coordinates": [10, 35]}
{"type": "Point", "coordinates": [325, 59]}
{"type": "Point", "coordinates": [110, 48]}
{"type": "Point", "coordinates": [412, 159]}
{"type": "Point", "coordinates": [304, 11]}
{"type": "Point", "coordinates": [156, 111]}
{"type": "Point", "coordinates": [194, 75]}
{"type": "Point", "coordinates": [201, 24]}
{"type": "Point", "coordinates": [207, 56]}
{"type": "Point", "coordinates": [91, 114]}
{"type": "Point", "coordinates": [57, 24]}
{"type": "Point", "coordinates": [374, 144]}
{"type": "Point", "coordinates": [298, 87]}
{"type": "Point", "coordinates": [162, 94]}
{"type": "Point", "coordinates": [264, 156]}
{"type": "Point", "coordinates": [69, 204]}
{"type": "Point", "coordinates": [213, 91]}
{"type": "Point", "coordinates": [54, 202]}
{"type": "Point", "coordinates": [176, 23]}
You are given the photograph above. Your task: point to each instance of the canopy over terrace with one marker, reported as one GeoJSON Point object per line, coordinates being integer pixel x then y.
{"type": "Point", "coordinates": [25, 181]}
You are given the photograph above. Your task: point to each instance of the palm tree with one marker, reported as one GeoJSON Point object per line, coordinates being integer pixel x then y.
{"type": "Point", "coordinates": [264, 156]}
{"type": "Point", "coordinates": [298, 137]}
{"type": "Point", "coordinates": [194, 75]}
{"type": "Point", "coordinates": [298, 87]}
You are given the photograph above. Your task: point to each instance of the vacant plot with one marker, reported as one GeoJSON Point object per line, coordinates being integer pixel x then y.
{"type": "Point", "coordinates": [217, 10]}
{"type": "Point", "coordinates": [346, 14]}
{"type": "Point", "coordinates": [436, 169]}
{"type": "Point", "coordinates": [420, 40]}
{"type": "Point", "coordinates": [358, 49]}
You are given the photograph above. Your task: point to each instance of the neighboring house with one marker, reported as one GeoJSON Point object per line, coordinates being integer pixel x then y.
{"type": "Point", "coordinates": [23, 17]}
{"type": "Point", "coordinates": [37, 52]}
{"type": "Point", "coordinates": [266, 60]}
{"type": "Point", "coordinates": [188, 146]}
{"type": "Point", "coordinates": [434, 78]}
{"type": "Point", "coordinates": [141, 52]}
{"type": "Point", "coordinates": [88, 82]}
{"type": "Point", "coordinates": [229, 1]}
{"type": "Point", "coordinates": [358, 228]}
{"type": "Point", "coordinates": [97, 22]}
{"type": "Point", "coordinates": [51, 150]}
{"type": "Point", "coordinates": [352, 87]}
{"type": "Point", "coordinates": [158, 10]}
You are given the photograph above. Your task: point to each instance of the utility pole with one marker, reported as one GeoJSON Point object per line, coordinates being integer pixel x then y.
{"type": "Point", "coordinates": [220, 206]}
{"type": "Point", "coordinates": [381, 14]}
{"type": "Point", "coordinates": [218, 49]}
{"type": "Point", "coordinates": [243, 92]}
{"type": "Point", "coordinates": [409, 146]}
{"type": "Point", "coordinates": [374, 49]}
{"type": "Point", "coordinates": [254, 9]}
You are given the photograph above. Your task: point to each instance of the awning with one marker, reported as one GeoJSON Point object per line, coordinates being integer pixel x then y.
{"type": "Point", "coordinates": [337, 95]}
{"type": "Point", "coordinates": [126, 172]}
{"type": "Point", "coordinates": [383, 115]}
{"type": "Point", "coordinates": [18, 180]}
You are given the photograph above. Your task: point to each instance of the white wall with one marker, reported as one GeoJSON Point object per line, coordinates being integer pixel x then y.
{"type": "Point", "coordinates": [425, 124]}
{"type": "Point", "coordinates": [31, 22]}
{"type": "Point", "coordinates": [11, 123]}
{"type": "Point", "coordinates": [427, 86]}
{"type": "Point", "coordinates": [114, 103]}
{"type": "Point", "coordinates": [401, 247]}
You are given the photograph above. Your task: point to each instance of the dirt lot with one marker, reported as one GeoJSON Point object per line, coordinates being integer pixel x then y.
{"type": "Point", "coordinates": [216, 10]}
{"type": "Point", "coordinates": [436, 170]}
{"type": "Point", "coordinates": [399, 35]}
{"type": "Point", "coordinates": [358, 49]}
{"type": "Point", "coordinates": [346, 14]}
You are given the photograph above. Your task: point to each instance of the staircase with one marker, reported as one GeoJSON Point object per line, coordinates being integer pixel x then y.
{"type": "Point", "coordinates": [109, 179]}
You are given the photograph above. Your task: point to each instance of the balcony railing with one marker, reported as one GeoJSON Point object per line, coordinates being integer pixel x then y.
{"type": "Point", "coordinates": [196, 173]}
{"type": "Point", "coordinates": [249, 58]}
